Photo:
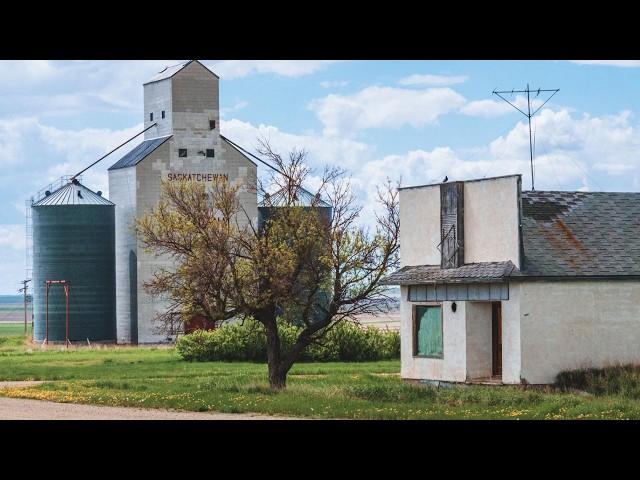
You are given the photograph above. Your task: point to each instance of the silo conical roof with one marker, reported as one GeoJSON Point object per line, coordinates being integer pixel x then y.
{"type": "Point", "coordinates": [74, 193]}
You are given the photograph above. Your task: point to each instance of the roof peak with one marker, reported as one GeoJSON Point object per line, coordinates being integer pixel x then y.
{"type": "Point", "coordinates": [463, 181]}
{"type": "Point", "coordinates": [73, 193]}
{"type": "Point", "coordinates": [579, 192]}
{"type": "Point", "coordinates": [171, 70]}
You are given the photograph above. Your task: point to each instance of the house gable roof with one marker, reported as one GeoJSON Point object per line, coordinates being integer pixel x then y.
{"type": "Point", "coordinates": [578, 234]}
{"type": "Point", "coordinates": [139, 153]}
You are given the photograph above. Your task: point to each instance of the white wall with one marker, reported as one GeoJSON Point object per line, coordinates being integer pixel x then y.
{"type": "Point", "coordinates": [576, 324]}
{"type": "Point", "coordinates": [452, 367]}
{"type": "Point", "coordinates": [467, 342]}
{"type": "Point", "coordinates": [420, 225]}
{"type": "Point", "coordinates": [511, 353]}
{"type": "Point", "coordinates": [122, 192]}
{"type": "Point", "coordinates": [491, 220]}
{"type": "Point", "coordinates": [157, 97]}
{"type": "Point", "coordinates": [150, 172]}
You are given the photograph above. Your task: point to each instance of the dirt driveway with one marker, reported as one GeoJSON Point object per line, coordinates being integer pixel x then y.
{"type": "Point", "coordinates": [24, 409]}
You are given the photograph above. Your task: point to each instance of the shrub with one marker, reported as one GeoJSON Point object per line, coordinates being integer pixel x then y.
{"type": "Point", "coordinates": [345, 342]}
{"type": "Point", "coordinates": [623, 380]}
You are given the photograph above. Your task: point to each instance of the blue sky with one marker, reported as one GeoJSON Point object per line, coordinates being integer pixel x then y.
{"type": "Point", "coordinates": [415, 120]}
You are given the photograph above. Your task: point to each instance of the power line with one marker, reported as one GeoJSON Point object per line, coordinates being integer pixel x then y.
{"type": "Point", "coordinates": [528, 114]}
{"type": "Point", "coordinates": [105, 156]}
{"type": "Point", "coordinates": [265, 163]}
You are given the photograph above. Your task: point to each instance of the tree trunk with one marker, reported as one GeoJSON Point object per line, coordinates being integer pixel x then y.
{"type": "Point", "coordinates": [277, 378]}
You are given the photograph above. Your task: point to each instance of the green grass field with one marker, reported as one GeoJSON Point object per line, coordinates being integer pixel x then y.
{"type": "Point", "coordinates": [158, 378]}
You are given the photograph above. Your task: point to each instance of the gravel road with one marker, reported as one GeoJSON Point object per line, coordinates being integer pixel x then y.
{"type": "Point", "coordinates": [24, 409]}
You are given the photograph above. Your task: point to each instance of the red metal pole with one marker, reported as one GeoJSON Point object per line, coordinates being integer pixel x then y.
{"type": "Point", "coordinates": [25, 307]}
{"type": "Point", "coordinates": [46, 323]}
{"type": "Point", "coordinates": [66, 297]}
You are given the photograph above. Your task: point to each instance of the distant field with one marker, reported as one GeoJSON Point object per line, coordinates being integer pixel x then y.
{"type": "Point", "coordinates": [12, 308]}
{"type": "Point", "coordinates": [388, 321]}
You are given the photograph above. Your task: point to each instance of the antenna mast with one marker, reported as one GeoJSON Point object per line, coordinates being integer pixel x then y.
{"type": "Point", "coordinates": [528, 114]}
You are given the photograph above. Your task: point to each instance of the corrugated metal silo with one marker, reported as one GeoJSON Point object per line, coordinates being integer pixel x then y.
{"type": "Point", "coordinates": [303, 199]}
{"type": "Point", "coordinates": [74, 240]}
{"type": "Point", "coordinates": [307, 201]}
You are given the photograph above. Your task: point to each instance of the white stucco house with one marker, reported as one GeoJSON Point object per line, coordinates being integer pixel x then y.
{"type": "Point", "coordinates": [504, 286]}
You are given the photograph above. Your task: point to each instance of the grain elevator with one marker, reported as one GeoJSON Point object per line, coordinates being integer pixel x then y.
{"type": "Point", "coordinates": [185, 143]}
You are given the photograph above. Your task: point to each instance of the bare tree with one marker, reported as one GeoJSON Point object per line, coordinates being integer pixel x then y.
{"type": "Point", "coordinates": [303, 265]}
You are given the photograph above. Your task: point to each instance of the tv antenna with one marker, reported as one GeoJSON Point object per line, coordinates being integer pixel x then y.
{"type": "Point", "coordinates": [528, 114]}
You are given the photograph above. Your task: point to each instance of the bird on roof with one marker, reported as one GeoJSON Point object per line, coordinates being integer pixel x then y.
{"type": "Point", "coordinates": [446, 179]}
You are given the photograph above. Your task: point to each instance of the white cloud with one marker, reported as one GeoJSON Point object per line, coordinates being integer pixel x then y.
{"type": "Point", "coordinates": [322, 150]}
{"type": "Point", "coordinates": [437, 80]}
{"type": "Point", "coordinates": [572, 153]}
{"type": "Point", "coordinates": [609, 63]}
{"type": "Point", "coordinates": [391, 107]}
{"type": "Point", "coordinates": [80, 148]}
{"type": "Point", "coordinates": [19, 72]}
{"type": "Point", "coordinates": [495, 108]}
{"type": "Point", "coordinates": [614, 168]}
{"type": "Point", "coordinates": [12, 271]}
{"type": "Point", "coordinates": [12, 237]}
{"type": "Point", "coordinates": [227, 110]}
{"type": "Point", "coordinates": [109, 86]}
{"type": "Point", "coordinates": [230, 69]}
{"type": "Point", "coordinates": [33, 154]}
{"type": "Point", "coordinates": [12, 139]}
{"type": "Point", "coordinates": [334, 83]}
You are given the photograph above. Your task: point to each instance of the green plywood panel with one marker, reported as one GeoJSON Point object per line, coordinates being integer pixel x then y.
{"type": "Point", "coordinates": [429, 331]}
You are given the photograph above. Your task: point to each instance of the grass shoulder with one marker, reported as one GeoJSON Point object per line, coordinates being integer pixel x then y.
{"type": "Point", "coordinates": [159, 378]}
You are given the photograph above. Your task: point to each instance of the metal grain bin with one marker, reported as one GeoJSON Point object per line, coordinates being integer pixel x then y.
{"type": "Point", "coordinates": [303, 199]}
{"type": "Point", "coordinates": [74, 241]}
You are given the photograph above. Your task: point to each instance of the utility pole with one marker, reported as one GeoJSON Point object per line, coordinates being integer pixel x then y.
{"type": "Point", "coordinates": [528, 114]}
{"type": "Point", "coordinates": [24, 289]}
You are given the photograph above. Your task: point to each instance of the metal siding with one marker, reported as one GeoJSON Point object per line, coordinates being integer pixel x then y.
{"type": "Point", "coordinates": [431, 293]}
{"type": "Point", "coordinates": [75, 243]}
{"type": "Point", "coordinates": [459, 292]}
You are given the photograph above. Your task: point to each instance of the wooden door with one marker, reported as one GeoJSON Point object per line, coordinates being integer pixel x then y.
{"type": "Point", "coordinates": [496, 338]}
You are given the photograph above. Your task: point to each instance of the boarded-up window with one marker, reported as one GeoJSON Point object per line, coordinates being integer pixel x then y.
{"type": "Point", "coordinates": [428, 331]}
{"type": "Point", "coordinates": [451, 225]}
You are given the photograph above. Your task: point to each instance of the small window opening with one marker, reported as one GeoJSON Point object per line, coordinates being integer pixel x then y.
{"type": "Point", "coordinates": [210, 152]}
{"type": "Point", "coordinates": [151, 117]}
{"type": "Point", "coordinates": [212, 124]}
{"type": "Point", "coordinates": [163, 114]}
{"type": "Point", "coordinates": [182, 152]}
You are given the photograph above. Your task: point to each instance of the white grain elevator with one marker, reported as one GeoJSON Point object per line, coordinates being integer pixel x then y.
{"type": "Point", "coordinates": [183, 102]}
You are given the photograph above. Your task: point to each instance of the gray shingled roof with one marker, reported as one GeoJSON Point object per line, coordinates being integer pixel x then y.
{"type": "Point", "coordinates": [139, 153]}
{"type": "Point", "coordinates": [472, 272]}
{"type": "Point", "coordinates": [581, 233]}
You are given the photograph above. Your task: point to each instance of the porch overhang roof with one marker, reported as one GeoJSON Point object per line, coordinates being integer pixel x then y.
{"type": "Point", "coordinates": [481, 272]}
